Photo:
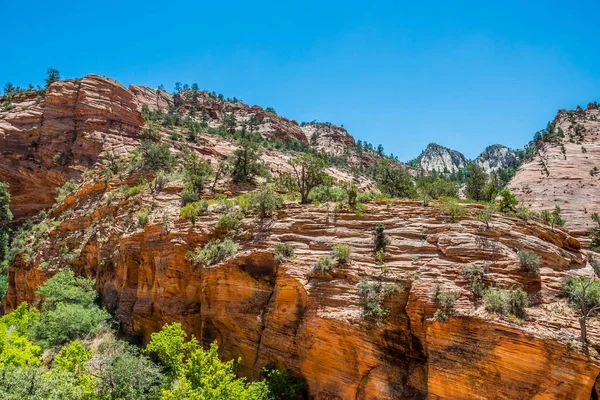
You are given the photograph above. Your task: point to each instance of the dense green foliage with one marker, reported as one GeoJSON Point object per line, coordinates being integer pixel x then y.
{"type": "Point", "coordinates": [506, 301]}
{"type": "Point", "coordinates": [394, 180]}
{"type": "Point", "coordinates": [246, 164]}
{"type": "Point", "coordinates": [530, 262]}
{"type": "Point", "coordinates": [198, 374]}
{"type": "Point", "coordinates": [214, 252]}
{"type": "Point", "coordinates": [584, 295]}
{"type": "Point", "coordinates": [283, 251]}
{"type": "Point", "coordinates": [94, 365]}
{"type": "Point", "coordinates": [265, 201]}
{"type": "Point", "coordinates": [380, 238]}
{"type": "Point", "coordinates": [342, 252]}
{"type": "Point", "coordinates": [308, 172]}
{"type": "Point", "coordinates": [373, 295]}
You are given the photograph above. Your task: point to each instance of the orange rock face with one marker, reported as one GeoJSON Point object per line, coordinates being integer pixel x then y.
{"type": "Point", "coordinates": [264, 312]}
{"type": "Point", "coordinates": [563, 174]}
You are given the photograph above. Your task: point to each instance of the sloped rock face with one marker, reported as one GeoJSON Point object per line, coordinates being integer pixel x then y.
{"type": "Point", "coordinates": [495, 157]}
{"type": "Point", "coordinates": [328, 138]}
{"type": "Point", "coordinates": [440, 159]}
{"type": "Point", "coordinates": [45, 140]}
{"type": "Point", "coordinates": [264, 312]}
{"type": "Point", "coordinates": [562, 173]}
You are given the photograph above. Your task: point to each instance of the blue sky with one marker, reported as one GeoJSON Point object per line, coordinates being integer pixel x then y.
{"type": "Point", "coordinates": [464, 75]}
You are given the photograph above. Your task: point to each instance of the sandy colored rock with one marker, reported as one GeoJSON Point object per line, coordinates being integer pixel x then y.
{"type": "Point", "coordinates": [562, 173]}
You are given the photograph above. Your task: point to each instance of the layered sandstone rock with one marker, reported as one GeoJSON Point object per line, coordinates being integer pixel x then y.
{"type": "Point", "coordinates": [265, 312]}
{"type": "Point", "coordinates": [45, 140]}
{"type": "Point", "coordinates": [565, 172]}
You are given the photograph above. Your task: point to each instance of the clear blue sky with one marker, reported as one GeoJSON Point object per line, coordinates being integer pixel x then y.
{"type": "Point", "coordinates": [462, 74]}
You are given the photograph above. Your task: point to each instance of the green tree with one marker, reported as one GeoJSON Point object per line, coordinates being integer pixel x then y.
{"type": "Point", "coordinates": [508, 201]}
{"type": "Point", "coordinates": [433, 187]}
{"type": "Point", "coordinates": [230, 122]}
{"type": "Point", "coordinates": [52, 76]}
{"type": "Point", "coordinates": [584, 295]}
{"type": "Point", "coordinates": [69, 311]}
{"type": "Point", "coordinates": [265, 201]}
{"type": "Point", "coordinates": [199, 374]}
{"type": "Point", "coordinates": [246, 164]}
{"type": "Point", "coordinates": [154, 156]}
{"type": "Point", "coordinates": [197, 171]}
{"type": "Point", "coordinates": [394, 180]}
{"type": "Point", "coordinates": [282, 383]}
{"type": "Point", "coordinates": [476, 180]}
{"type": "Point", "coordinates": [125, 374]}
{"type": "Point", "coordinates": [557, 218]}
{"type": "Point", "coordinates": [307, 173]}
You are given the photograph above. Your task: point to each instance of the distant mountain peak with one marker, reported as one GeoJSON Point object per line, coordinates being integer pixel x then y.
{"type": "Point", "coordinates": [496, 156]}
{"type": "Point", "coordinates": [437, 158]}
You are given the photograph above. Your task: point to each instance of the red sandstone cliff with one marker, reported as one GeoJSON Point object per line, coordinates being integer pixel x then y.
{"type": "Point", "coordinates": [265, 312]}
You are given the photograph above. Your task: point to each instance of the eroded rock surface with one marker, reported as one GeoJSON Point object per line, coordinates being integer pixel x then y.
{"type": "Point", "coordinates": [265, 312]}
{"type": "Point", "coordinates": [565, 172]}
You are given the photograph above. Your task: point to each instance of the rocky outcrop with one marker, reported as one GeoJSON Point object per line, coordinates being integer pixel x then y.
{"type": "Point", "coordinates": [565, 171]}
{"type": "Point", "coordinates": [495, 157]}
{"type": "Point", "coordinates": [47, 139]}
{"type": "Point", "coordinates": [436, 158]}
{"type": "Point", "coordinates": [265, 312]}
{"type": "Point", "coordinates": [328, 138]}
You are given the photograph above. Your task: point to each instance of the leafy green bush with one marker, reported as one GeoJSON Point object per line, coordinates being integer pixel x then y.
{"type": "Point", "coordinates": [126, 374]}
{"type": "Point", "coordinates": [308, 172]}
{"type": "Point", "coordinates": [135, 190]}
{"type": "Point", "coordinates": [494, 301]}
{"type": "Point", "coordinates": [214, 252]}
{"type": "Point", "coordinates": [326, 193]}
{"type": "Point", "coordinates": [142, 217]}
{"type": "Point", "coordinates": [246, 163]}
{"type": "Point", "coordinates": [189, 195]}
{"type": "Point", "coordinates": [595, 264]}
{"type": "Point", "coordinates": [365, 197]}
{"type": "Point", "coordinates": [196, 171]}
{"type": "Point", "coordinates": [282, 383]}
{"type": "Point", "coordinates": [342, 252]}
{"type": "Point", "coordinates": [191, 211]}
{"type": "Point", "coordinates": [231, 220]}
{"type": "Point", "coordinates": [485, 216]}
{"type": "Point", "coordinates": [475, 277]}
{"type": "Point", "coordinates": [394, 180]}
{"type": "Point", "coordinates": [445, 301]}
{"type": "Point", "coordinates": [265, 201]}
{"type": "Point", "coordinates": [380, 238]}
{"type": "Point", "coordinates": [69, 310]}
{"type": "Point", "coordinates": [160, 181]}
{"type": "Point", "coordinates": [323, 265]}
{"type": "Point", "coordinates": [434, 187]}
{"type": "Point", "coordinates": [69, 187]}
{"type": "Point", "coordinates": [283, 251]}
{"type": "Point", "coordinates": [199, 374]}
{"type": "Point", "coordinates": [452, 209]}
{"type": "Point", "coordinates": [153, 156]}
{"type": "Point", "coordinates": [506, 301]}
{"type": "Point", "coordinates": [508, 201]}
{"type": "Point", "coordinates": [530, 262]}
{"type": "Point", "coordinates": [373, 295]}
